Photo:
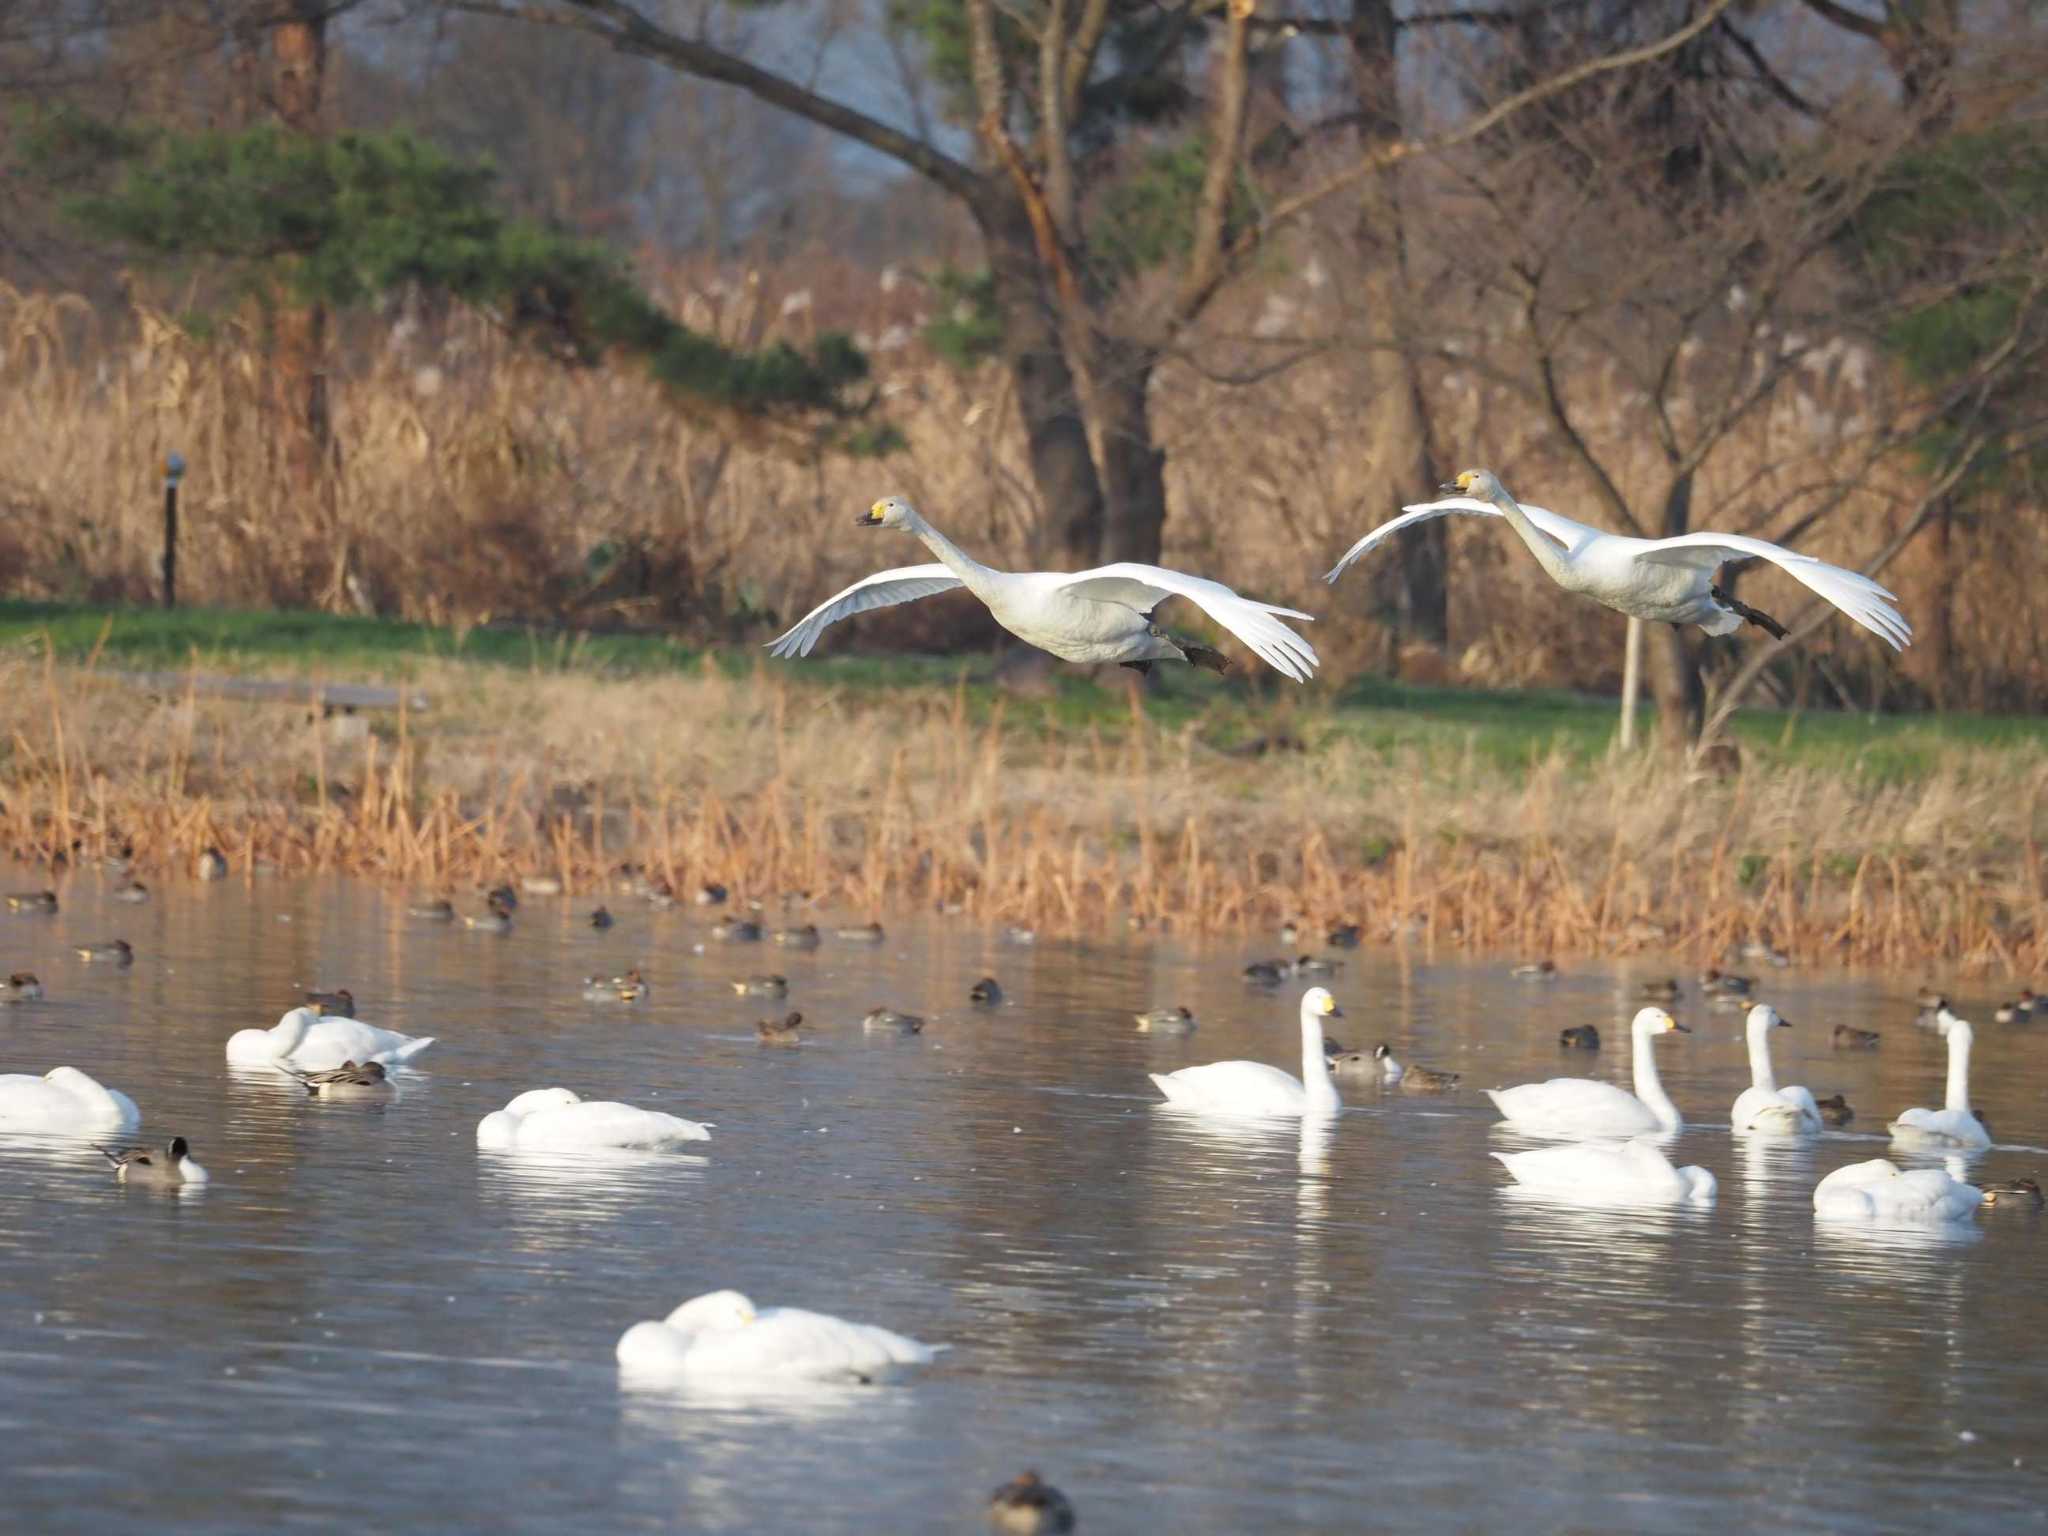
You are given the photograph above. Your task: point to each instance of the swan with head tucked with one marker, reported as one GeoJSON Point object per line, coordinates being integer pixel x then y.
{"type": "Point", "coordinates": [304, 1040]}
{"type": "Point", "coordinates": [1579, 1106]}
{"type": "Point", "coordinates": [1663, 581]}
{"type": "Point", "coordinates": [64, 1100]}
{"type": "Point", "coordinates": [561, 1120]}
{"type": "Point", "coordinates": [1879, 1191]}
{"type": "Point", "coordinates": [1764, 1106]}
{"type": "Point", "coordinates": [1952, 1127]}
{"type": "Point", "coordinates": [722, 1336]}
{"type": "Point", "coordinates": [1091, 617]}
{"type": "Point", "coordinates": [1252, 1087]}
{"type": "Point", "coordinates": [1610, 1172]}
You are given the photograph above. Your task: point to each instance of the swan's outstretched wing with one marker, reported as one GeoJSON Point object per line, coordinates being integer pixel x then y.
{"type": "Point", "coordinates": [1145, 587]}
{"type": "Point", "coordinates": [1851, 591]}
{"type": "Point", "coordinates": [884, 589]}
{"type": "Point", "coordinates": [1562, 529]}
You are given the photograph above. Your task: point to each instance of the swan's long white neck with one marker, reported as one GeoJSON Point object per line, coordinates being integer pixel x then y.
{"type": "Point", "coordinates": [1648, 1088]}
{"type": "Point", "coordinates": [1760, 1073]}
{"type": "Point", "coordinates": [1541, 544]}
{"type": "Point", "coordinates": [972, 573]}
{"type": "Point", "coordinates": [1315, 1066]}
{"type": "Point", "coordinates": [1959, 1067]}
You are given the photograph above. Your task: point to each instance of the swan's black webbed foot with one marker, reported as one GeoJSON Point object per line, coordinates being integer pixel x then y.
{"type": "Point", "coordinates": [1755, 616]}
{"type": "Point", "coordinates": [1142, 668]}
{"type": "Point", "coordinates": [1202, 656]}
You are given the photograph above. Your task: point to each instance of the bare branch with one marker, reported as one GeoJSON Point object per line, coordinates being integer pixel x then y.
{"type": "Point", "coordinates": [1226, 140]}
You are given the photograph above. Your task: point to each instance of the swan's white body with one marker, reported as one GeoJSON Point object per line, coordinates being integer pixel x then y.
{"type": "Point", "coordinates": [1666, 581]}
{"type": "Point", "coordinates": [1879, 1191]}
{"type": "Point", "coordinates": [65, 1101]}
{"type": "Point", "coordinates": [1582, 1107]}
{"type": "Point", "coordinates": [558, 1120]}
{"type": "Point", "coordinates": [1103, 615]}
{"type": "Point", "coordinates": [1952, 1127]}
{"type": "Point", "coordinates": [1763, 1106]}
{"type": "Point", "coordinates": [305, 1040]}
{"type": "Point", "coordinates": [1610, 1172]}
{"type": "Point", "coordinates": [721, 1337]}
{"type": "Point", "coordinates": [1252, 1087]}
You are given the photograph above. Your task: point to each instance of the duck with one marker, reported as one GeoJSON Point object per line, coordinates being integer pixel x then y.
{"type": "Point", "coordinates": [722, 1336]}
{"type": "Point", "coordinates": [1579, 1037]}
{"type": "Point", "coordinates": [562, 1120]}
{"type": "Point", "coordinates": [340, 1001]}
{"type": "Point", "coordinates": [1763, 1106]}
{"type": "Point", "coordinates": [1415, 1079]}
{"type": "Point", "coordinates": [1715, 983]}
{"type": "Point", "coordinates": [1834, 1110]}
{"type": "Point", "coordinates": [32, 901]}
{"type": "Point", "coordinates": [987, 991]}
{"type": "Point", "coordinates": [1027, 1505]}
{"type": "Point", "coordinates": [889, 1021]}
{"type": "Point", "coordinates": [211, 864]}
{"type": "Point", "coordinates": [1344, 936]}
{"type": "Point", "coordinates": [1846, 1037]}
{"type": "Point", "coordinates": [541, 885]}
{"type": "Point", "coordinates": [2023, 1008]}
{"type": "Point", "coordinates": [2013, 1194]}
{"type": "Point", "coordinates": [502, 895]}
{"type": "Point", "coordinates": [631, 987]}
{"type": "Point", "coordinates": [865, 933]}
{"type": "Point", "coordinates": [64, 1100]}
{"type": "Point", "coordinates": [661, 895]}
{"type": "Point", "coordinates": [162, 1167]}
{"type": "Point", "coordinates": [1631, 1172]}
{"type": "Point", "coordinates": [1019, 935]}
{"type": "Point", "coordinates": [1662, 991]}
{"type": "Point", "coordinates": [736, 930]}
{"type": "Point", "coordinates": [1581, 1107]}
{"type": "Point", "coordinates": [1252, 1087]}
{"type": "Point", "coordinates": [311, 1043]}
{"type": "Point", "coordinates": [134, 893]}
{"type": "Point", "coordinates": [1313, 965]}
{"type": "Point", "coordinates": [1879, 1191]}
{"type": "Point", "coordinates": [1268, 973]}
{"type": "Point", "coordinates": [1535, 970]}
{"type": "Point", "coordinates": [782, 1031]}
{"type": "Point", "coordinates": [1290, 933]}
{"type": "Point", "coordinates": [1355, 1065]}
{"type": "Point", "coordinates": [21, 987]}
{"type": "Point", "coordinates": [1166, 1021]}
{"type": "Point", "coordinates": [710, 894]}
{"type": "Point", "coordinates": [113, 952]}
{"type": "Point", "coordinates": [601, 919]}
{"type": "Point", "coordinates": [496, 918]}
{"type": "Point", "coordinates": [630, 879]}
{"type": "Point", "coordinates": [347, 1081]}
{"type": "Point", "coordinates": [805, 937]}
{"type": "Point", "coordinates": [1759, 947]}
{"type": "Point", "coordinates": [1390, 1070]}
{"type": "Point", "coordinates": [439, 910]}
{"type": "Point", "coordinates": [762, 986]}
{"type": "Point", "coordinates": [1952, 1127]}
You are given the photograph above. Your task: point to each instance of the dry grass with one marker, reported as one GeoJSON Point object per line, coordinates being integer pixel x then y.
{"type": "Point", "coordinates": [881, 803]}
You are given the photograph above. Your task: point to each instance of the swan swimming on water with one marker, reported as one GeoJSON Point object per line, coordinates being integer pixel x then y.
{"type": "Point", "coordinates": [1581, 1107]}
{"type": "Point", "coordinates": [1095, 616]}
{"type": "Point", "coordinates": [305, 1040]}
{"type": "Point", "coordinates": [1665, 581]}
{"type": "Point", "coordinates": [1610, 1172]}
{"type": "Point", "coordinates": [1879, 1191]}
{"type": "Point", "coordinates": [64, 1100]}
{"type": "Point", "coordinates": [722, 1336]}
{"type": "Point", "coordinates": [1252, 1087]}
{"type": "Point", "coordinates": [1764, 1106]}
{"type": "Point", "coordinates": [1952, 1127]}
{"type": "Point", "coordinates": [561, 1120]}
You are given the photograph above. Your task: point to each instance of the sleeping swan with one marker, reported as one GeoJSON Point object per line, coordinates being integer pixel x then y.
{"type": "Point", "coordinates": [305, 1040]}
{"type": "Point", "coordinates": [1764, 1106]}
{"type": "Point", "coordinates": [1878, 1191]}
{"type": "Point", "coordinates": [1610, 1173]}
{"type": "Point", "coordinates": [64, 1100]}
{"type": "Point", "coordinates": [721, 1337]}
{"type": "Point", "coordinates": [1952, 1127]}
{"type": "Point", "coordinates": [1579, 1106]}
{"type": "Point", "coordinates": [559, 1120]}
{"type": "Point", "coordinates": [1252, 1087]}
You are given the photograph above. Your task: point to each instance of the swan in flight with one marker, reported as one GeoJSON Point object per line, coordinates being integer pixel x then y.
{"type": "Point", "coordinates": [1666, 581]}
{"type": "Point", "coordinates": [1581, 1107]}
{"type": "Point", "coordinates": [1764, 1106]}
{"type": "Point", "coordinates": [1089, 617]}
{"type": "Point", "coordinates": [1953, 1127]}
{"type": "Point", "coordinates": [1252, 1087]}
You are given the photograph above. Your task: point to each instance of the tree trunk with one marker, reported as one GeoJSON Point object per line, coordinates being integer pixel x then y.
{"type": "Point", "coordinates": [1056, 437]}
{"type": "Point", "coordinates": [1133, 469]}
{"type": "Point", "coordinates": [1674, 667]}
{"type": "Point", "coordinates": [1937, 641]}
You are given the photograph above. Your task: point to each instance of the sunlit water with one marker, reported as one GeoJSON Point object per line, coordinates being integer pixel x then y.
{"type": "Point", "coordinates": [1188, 1328]}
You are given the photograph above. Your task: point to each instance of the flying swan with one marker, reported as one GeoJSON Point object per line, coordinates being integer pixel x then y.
{"type": "Point", "coordinates": [1252, 1087]}
{"type": "Point", "coordinates": [1667, 581]}
{"type": "Point", "coordinates": [1089, 617]}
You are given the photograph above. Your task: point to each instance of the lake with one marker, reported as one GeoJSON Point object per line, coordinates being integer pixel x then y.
{"type": "Point", "coordinates": [1185, 1326]}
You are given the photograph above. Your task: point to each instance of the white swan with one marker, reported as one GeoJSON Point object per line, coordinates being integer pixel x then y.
{"type": "Point", "coordinates": [1579, 1106]}
{"type": "Point", "coordinates": [64, 1100]}
{"type": "Point", "coordinates": [1879, 1191]}
{"type": "Point", "coordinates": [1090, 616]}
{"type": "Point", "coordinates": [1763, 1105]}
{"type": "Point", "coordinates": [560, 1120]}
{"type": "Point", "coordinates": [305, 1040]}
{"type": "Point", "coordinates": [721, 1336]}
{"type": "Point", "coordinates": [1252, 1087]}
{"type": "Point", "coordinates": [1666, 581]}
{"type": "Point", "coordinates": [1610, 1172]}
{"type": "Point", "coordinates": [1952, 1127]}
